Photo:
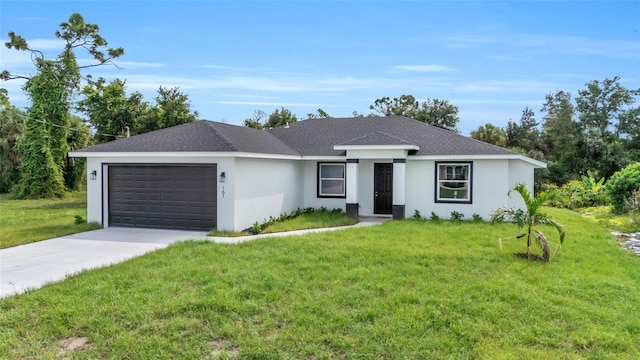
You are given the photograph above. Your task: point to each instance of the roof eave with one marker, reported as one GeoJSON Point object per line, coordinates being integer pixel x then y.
{"type": "Point", "coordinates": [180, 154]}
{"type": "Point", "coordinates": [535, 163]}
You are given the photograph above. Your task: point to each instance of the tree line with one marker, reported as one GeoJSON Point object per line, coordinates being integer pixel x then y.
{"type": "Point", "coordinates": [35, 143]}
{"type": "Point", "coordinates": [598, 131]}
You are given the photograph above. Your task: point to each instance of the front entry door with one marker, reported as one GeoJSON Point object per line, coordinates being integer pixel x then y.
{"type": "Point", "coordinates": [382, 188]}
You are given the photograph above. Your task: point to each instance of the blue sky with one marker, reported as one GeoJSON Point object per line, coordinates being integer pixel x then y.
{"type": "Point", "coordinates": [489, 58]}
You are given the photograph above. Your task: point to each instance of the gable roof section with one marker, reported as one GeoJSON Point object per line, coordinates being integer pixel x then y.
{"type": "Point", "coordinates": [317, 137]}
{"type": "Point", "coordinates": [198, 136]}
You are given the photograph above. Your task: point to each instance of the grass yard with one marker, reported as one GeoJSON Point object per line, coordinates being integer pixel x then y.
{"type": "Point", "coordinates": [312, 220]}
{"type": "Point", "coordinates": [406, 289]}
{"type": "Point", "coordinates": [604, 217]}
{"type": "Point", "coordinates": [27, 221]}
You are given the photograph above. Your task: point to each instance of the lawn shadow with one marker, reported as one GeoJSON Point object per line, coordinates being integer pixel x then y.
{"type": "Point", "coordinates": [534, 257]}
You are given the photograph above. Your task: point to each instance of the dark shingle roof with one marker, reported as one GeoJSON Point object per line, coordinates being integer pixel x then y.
{"type": "Point", "coordinates": [205, 136]}
{"type": "Point", "coordinates": [314, 137]}
{"type": "Point", "coordinates": [377, 138]}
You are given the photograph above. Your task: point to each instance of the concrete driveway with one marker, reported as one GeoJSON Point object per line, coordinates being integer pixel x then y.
{"type": "Point", "coordinates": [33, 265]}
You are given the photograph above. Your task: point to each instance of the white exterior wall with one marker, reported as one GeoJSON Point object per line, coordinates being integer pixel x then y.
{"type": "Point", "coordinates": [258, 188]}
{"type": "Point", "coordinates": [519, 172]}
{"type": "Point", "coordinates": [310, 188]}
{"type": "Point", "coordinates": [491, 181]}
{"type": "Point", "coordinates": [263, 188]}
{"type": "Point", "coordinates": [96, 209]}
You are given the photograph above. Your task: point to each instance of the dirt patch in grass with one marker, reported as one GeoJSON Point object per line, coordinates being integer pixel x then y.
{"type": "Point", "coordinates": [70, 345]}
{"type": "Point", "coordinates": [221, 346]}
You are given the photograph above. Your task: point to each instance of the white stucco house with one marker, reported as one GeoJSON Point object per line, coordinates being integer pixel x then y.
{"type": "Point", "coordinates": [207, 174]}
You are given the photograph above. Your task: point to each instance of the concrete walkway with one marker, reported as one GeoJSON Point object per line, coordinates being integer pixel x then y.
{"type": "Point", "coordinates": [33, 265]}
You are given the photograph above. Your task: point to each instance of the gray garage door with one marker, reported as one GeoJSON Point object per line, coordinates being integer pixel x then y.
{"type": "Point", "coordinates": [168, 197]}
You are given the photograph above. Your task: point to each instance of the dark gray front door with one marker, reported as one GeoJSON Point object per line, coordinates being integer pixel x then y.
{"type": "Point", "coordinates": [382, 188]}
{"type": "Point", "coordinates": [166, 196]}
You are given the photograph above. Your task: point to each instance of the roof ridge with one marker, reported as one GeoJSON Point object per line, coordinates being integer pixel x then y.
{"type": "Point", "coordinates": [384, 133]}
{"type": "Point", "coordinates": [393, 136]}
{"type": "Point", "coordinates": [226, 140]}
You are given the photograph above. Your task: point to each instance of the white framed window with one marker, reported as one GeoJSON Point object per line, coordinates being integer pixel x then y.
{"type": "Point", "coordinates": [453, 182]}
{"type": "Point", "coordinates": [331, 180]}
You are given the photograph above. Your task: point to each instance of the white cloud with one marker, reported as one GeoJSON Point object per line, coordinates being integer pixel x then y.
{"type": "Point", "coordinates": [510, 86]}
{"type": "Point", "coordinates": [494, 102]}
{"type": "Point", "coordinates": [549, 44]}
{"type": "Point", "coordinates": [503, 57]}
{"type": "Point", "coordinates": [261, 103]}
{"type": "Point", "coordinates": [46, 44]}
{"type": "Point", "coordinates": [425, 68]}
{"type": "Point", "coordinates": [223, 67]}
{"type": "Point", "coordinates": [137, 64]}
{"type": "Point", "coordinates": [299, 83]}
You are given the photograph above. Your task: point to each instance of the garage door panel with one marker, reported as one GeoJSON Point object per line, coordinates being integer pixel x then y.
{"type": "Point", "coordinates": [172, 197]}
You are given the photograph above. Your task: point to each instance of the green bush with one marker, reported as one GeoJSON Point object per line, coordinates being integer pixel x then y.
{"type": "Point", "coordinates": [586, 192]}
{"type": "Point", "coordinates": [456, 216]}
{"type": "Point", "coordinates": [621, 186]}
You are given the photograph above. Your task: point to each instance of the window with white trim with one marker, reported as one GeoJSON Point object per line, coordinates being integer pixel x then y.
{"type": "Point", "coordinates": [453, 182]}
{"type": "Point", "coordinates": [331, 180]}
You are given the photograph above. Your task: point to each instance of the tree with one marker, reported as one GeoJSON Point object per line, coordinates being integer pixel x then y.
{"type": "Point", "coordinates": [172, 108]}
{"type": "Point", "coordinates": [256, 120]}
{"type": "Point", "coordinates": [79, 137]}
{"type": "Point", "coordinates": [439, 113]}
{"type": "Point", "coordinates": [606, 120]}
{"type": "Point", "coordinates": [12, 123]}
{"type": "Point", "coordinates": [405, 105]}
{"type": "Point", "coordinates": [279, 118]}
{"type": "Point", "coordinates": [491, 134]}
{"type": "Point", "coordinates": [435, 112]}
{"type": "Point", "coordinates": [319, 114]}
{"type": "Point", "coordinates": [525, 133]}
{"type": "Point", "coordinates": [532, 217]}
{"type": "Point", "coordinates": [110, 111]}
{"type": "Point", "coordinates": [561, 138]}
{"type": "Point", "coordinates": [51, 91]}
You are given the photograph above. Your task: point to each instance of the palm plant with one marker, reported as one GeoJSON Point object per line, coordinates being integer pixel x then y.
{"type": "Point", "coordinates": [530, 218]}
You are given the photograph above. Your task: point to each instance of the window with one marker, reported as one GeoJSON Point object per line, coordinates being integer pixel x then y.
{"type": "Point", "coordinates": [453, 182]}
{"type": "Point", "coordinates": [331, 180]}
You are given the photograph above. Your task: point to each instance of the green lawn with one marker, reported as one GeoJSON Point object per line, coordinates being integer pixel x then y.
{"type": "Point", "coordinates": [406, 289]}
{"type": "Point", "coordinates": [311, 220]}
{"type": "Point", "coordinates": [604, 216]}
{"type": "Point", "coordinates": [26, 221]}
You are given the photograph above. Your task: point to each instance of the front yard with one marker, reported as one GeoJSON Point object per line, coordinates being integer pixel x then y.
{"type": "Point", "coordinates": [406, 289]}
{"type": "Point", "coordinates": [26, 221]}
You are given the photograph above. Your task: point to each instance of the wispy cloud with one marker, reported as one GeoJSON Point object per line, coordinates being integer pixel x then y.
{"type": "Point", "coordinates": [425, 68]}
{"type": "Point", "coordinates": [502, 57]}
{"type": "Point", "coordinates": [549, 44]}
{"type": "Point", "coordinates": [510, 86]}
{"type": "Point", "coordinates": [299, 83]}
{"type": "Point", "coordinates": [261, 103]}
{"type": "Point", "coordinates": [46, 44]}
{"type": "Point", "coordinates": [224, 67]}
{"type": "Point", "coordinates": [524, 102]}
{"type": "Point", "coordinates": [137, 64]}
{"type": "Point", "coordinates": [21, 61]}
